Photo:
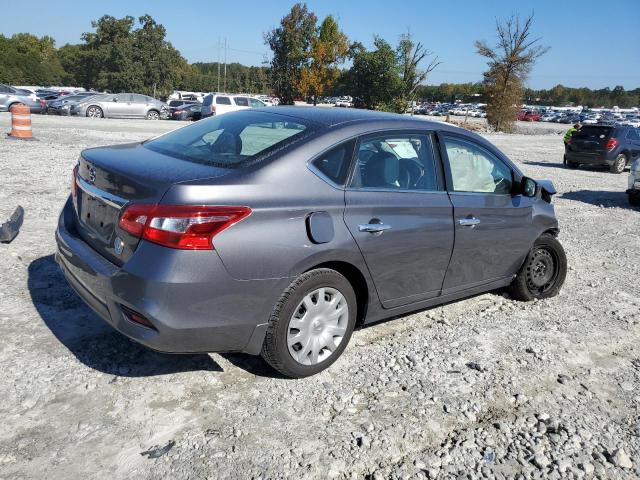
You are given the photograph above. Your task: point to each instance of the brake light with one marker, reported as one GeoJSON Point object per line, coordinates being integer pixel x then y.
{"type": "Point", "coordinates": [185, 227]}
{"type": "Point", "coordinates": [74, 185]}
{"type": "Point", "coordinates": [570, 141]}
{"type": "Point", "coordinates": [612, 143]}
{"type": "Point", "coordinates": [213, 109]}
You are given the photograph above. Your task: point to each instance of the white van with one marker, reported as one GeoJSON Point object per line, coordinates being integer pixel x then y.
{"type": "Point", "coordinates": [219, 103]}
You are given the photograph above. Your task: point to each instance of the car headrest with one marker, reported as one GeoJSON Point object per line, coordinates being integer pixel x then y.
{"type": "Point", "coordinates": [382, 170]}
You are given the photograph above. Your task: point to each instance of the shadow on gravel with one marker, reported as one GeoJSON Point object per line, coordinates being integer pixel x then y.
{"type": "Point", "coordinates": [545, 164]}
{"type": "Point", "coordinates": [90, 339]}
{"type": "Point", "coordinates": [253, 364]}
{"type": "Point", "coordinates": [599, 198]}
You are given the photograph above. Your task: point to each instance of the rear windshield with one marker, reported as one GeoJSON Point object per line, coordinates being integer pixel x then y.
{"type": "Point", "coordinates": [594, 131]}
{"type": "Point", "coordinates": [232, 140]}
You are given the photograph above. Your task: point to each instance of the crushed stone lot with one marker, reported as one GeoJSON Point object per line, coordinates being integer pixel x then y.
{"type": "Point", "coordinates": [482, 388]}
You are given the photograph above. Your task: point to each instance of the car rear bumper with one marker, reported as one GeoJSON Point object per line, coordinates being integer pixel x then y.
{"type": "Point", "coordinates": [188, 296]}
{"type": "Point", "coordinates": [590, 158]}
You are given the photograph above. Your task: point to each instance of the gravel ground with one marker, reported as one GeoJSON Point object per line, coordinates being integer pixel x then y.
{"type": "Point", "coordinates": [482, 388]}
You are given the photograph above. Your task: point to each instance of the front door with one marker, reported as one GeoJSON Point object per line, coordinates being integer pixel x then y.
{"type": "Point", "coordinates": [493, 228]}
{"type": "Point", "coordinates": [400, 216]}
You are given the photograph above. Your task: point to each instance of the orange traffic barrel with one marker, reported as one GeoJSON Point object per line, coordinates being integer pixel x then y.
{"type": "Point", "coordinates": [21, 122]}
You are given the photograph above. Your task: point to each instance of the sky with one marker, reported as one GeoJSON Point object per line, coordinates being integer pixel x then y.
{"type": "Point", "coordinates": [593, 43]}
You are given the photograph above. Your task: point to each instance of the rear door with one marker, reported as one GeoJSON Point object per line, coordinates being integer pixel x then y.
{"type": "Point", "coordinates": [118, 105]}
{"type": "Point", "coordinates": [633, 142]}
{"type": "Point", "coordinates": [241, 102]}
{"type": "Point", "coordinates": [400, 216]}
{"type": "Point", "coordinates": [493, 228]}
{"type": "Point", "coordinates": [139, 105]}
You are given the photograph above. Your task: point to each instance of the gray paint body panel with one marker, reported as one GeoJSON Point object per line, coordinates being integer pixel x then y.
{"type": "Point", "coordinates": [222, 299]}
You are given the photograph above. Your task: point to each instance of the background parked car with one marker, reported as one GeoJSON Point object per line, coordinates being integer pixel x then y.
{"type": "Point", "coordinates": [122, 105]}
{"type": "Point", "coordinates": [62, 105]}
{"type": "Point", "coordinates": [187, 112]}
{"type": "Point", "coordinates": [217, 104]}
{"type": "Point", "coordinates": [634, 184]}
{"type": "Point", "coordinates": [614, 146]}
{"type": "Point", "coordinates": [175, 104]}
{"type": "Point", "coordinates": [10, 96]}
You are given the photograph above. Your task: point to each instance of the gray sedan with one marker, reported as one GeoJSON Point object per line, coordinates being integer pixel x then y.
{"type": "Point", "coordinates": [122, 105]}
{"type": "Point", "coordinates": [277, 231]}
{"type": "Point", "coordinates": [10, 96]}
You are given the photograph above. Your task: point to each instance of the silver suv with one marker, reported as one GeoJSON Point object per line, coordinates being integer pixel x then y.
{"type": "Point", "coordinates": [10, 96]}
{"type": "Point", "coordinates": [121, 105]}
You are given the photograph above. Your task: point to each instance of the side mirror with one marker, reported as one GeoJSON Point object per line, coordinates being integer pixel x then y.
{"type": "Point", "coordinates": [115, 99]}
{"type": "Point", "coordinates": [528, 187]}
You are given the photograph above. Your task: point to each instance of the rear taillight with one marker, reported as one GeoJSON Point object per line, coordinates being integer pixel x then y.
{"type": "Point", "coordinates": [570, 141]}
{"type": "Point", "coordinates": [213, 109]}
{"type": "Point", "coordinates": [74, 184]}
{"type": "Point", "coordinates": [611, 144]}
{"type": "Point", "coordinates": [186, 227]}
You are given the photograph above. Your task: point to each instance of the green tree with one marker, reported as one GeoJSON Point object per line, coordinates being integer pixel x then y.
{"type": "Point", "coordinates": [510, 62]}
{"type": "Point", "coordinates": [375, 76]}
{"type": "Point", "coordinates": [290, 44]}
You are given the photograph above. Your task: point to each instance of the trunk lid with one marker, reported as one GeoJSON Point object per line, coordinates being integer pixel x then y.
{"type": "Point", "coordinates": [592, 139]}
{"type": "Point", "coordinates": [111, 177]}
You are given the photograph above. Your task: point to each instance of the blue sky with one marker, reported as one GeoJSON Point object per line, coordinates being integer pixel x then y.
{"type": "Point", "coordinates": [593, 43]}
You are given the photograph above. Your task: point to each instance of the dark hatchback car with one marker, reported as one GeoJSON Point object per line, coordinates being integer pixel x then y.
{"type": "Point", "coordinates": [187, 112]}
{"type": "Point", "coordinates": [277, 231]}
{"type": "Point", "coordinates": [613, 146]}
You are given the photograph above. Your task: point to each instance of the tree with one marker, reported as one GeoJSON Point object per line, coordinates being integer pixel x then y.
{"type": "Point", "coordinates": [374, 76]}
{"type": "Point", "coordinates": [510, 62]}
{"type": "Point", "coordinates": [291, 44]}
{"type": "Point", "coordinates": [410, 55]}
{"type": "Point", "coordinates": [329, 48]}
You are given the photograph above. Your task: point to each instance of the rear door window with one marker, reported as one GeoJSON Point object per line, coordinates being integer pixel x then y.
{"type": "Point", "coordinates": [136, 98]}
{"type": "Point", "coordinates": [396, 161]}
{"type": "Point", "coordinates": [241, 101]}
{"type": "Point", "coordinates": [632, 134]}
{"type": "Point", "coordinates": [223, 101]}
{"type": "Point", "coordinates": [256, 103]}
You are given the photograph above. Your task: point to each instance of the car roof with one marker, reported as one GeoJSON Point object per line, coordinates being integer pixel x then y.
{"type": "Point", "coordinates": [338, 117]}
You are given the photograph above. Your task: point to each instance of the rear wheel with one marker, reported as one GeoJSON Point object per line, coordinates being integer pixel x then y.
{"type": "Point", "coordinates": [94, 112]}
{"type": "Point", "coordinates": [153, 115]}
{"type": "Point", "coordinates": [311, 324]}
{"type": "Point", "coordinates": [619, 164]}
{"type": "Point", "coordinates": [634, 200]}
{"type": "Point", "coordinates": [543, 272]}
{"type": "Point", "coordinates": [571, 164]}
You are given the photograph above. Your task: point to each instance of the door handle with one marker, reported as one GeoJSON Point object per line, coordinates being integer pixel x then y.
{"type": "Point", "coordinates": [374, 227]}
{"type": "Point", "coordinates": [469, 222]}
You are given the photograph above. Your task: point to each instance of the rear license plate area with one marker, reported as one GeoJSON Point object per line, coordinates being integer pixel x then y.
{"type": "Point", "coordinates": [97, 215]}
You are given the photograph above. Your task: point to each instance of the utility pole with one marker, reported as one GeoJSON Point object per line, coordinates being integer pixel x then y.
{"type": "Point", "coordinates": [218, 64]}
{"type": "Point", "coordinates": [225, 64]}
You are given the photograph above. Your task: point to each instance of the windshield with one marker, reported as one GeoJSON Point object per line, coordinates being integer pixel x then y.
{"type": "Point", "coordinates": [232, 140]}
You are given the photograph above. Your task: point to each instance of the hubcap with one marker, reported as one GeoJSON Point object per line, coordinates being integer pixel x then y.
{"type": "Point", "coordinates": [153, 116]}
{"type": "Point", "coordinates": [621, 163]}
{"type": "Point", "coordinates": [541, 271]}
{"type": "Point", "coordinates": [94, 112]}
{"type": "Point", "coordinates": [317, 326]}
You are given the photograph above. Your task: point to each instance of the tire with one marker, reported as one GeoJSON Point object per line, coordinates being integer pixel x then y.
{"type": "Point", "coordinates": [290, 312]}
{"type": "Point", "coordinates": [94, 112]}
{"type": "Point", "coordinates": [534, 281]}
{"type": "Point", "coordinates": [572, 165]}
{"type": "Point", "coordinates": [618, 164]}
{"type": "Point", "coordinates": [634, 200]}
{"type": "Point", "coordinates": [153, 115]}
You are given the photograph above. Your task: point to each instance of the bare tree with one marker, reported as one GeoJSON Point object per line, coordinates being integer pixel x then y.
{"type": "Point", "coordinates": [510, 63]}
{"type": "Point", "coordinates": [410, 55]}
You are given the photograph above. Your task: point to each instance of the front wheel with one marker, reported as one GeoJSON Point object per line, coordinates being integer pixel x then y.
{"type": "Point", "coordinates": [311, 324]}
{"type": "Point", "coordinates": [618, 164]}
{"type": "Point", "coordinates": [543, 272]}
